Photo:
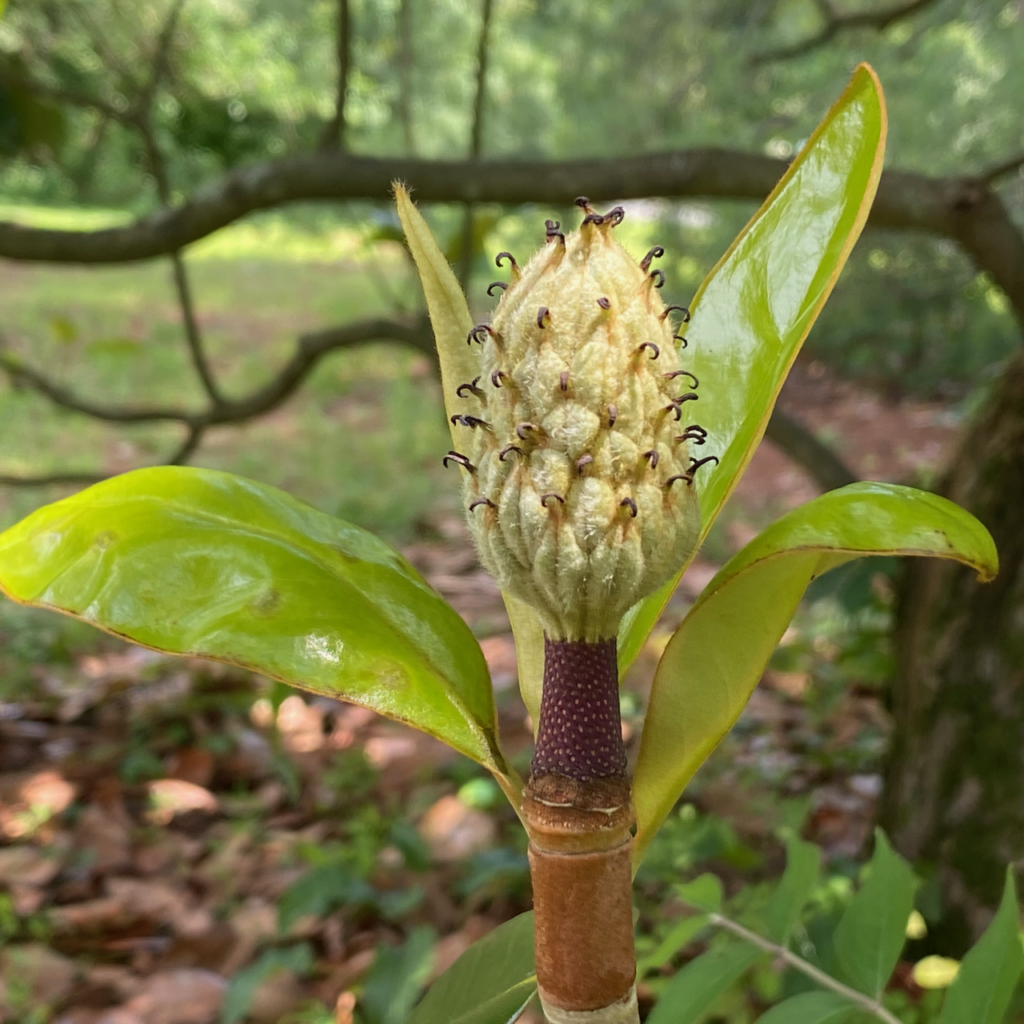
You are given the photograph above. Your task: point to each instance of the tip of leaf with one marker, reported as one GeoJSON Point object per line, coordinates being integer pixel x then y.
{"type": "Point", "coordinates": [876, 83]}
{"type": "Point", "coordinates": [1010, 887]}
{"type": "Point", "coordinates": [988, 572]}
{"type": "Point", "coordinates": [986, 564]}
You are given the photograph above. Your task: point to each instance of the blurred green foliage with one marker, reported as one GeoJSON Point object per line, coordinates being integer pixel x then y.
{"type": "Point", "coordinates": [251, 81]}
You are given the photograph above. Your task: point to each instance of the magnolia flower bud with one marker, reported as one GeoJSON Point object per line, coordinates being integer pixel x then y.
{"type": "Point", "coordinates": [579, 472]}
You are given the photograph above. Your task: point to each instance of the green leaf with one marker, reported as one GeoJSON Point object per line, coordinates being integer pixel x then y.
{"type": "Point", "coordinates": [449, 313]}
{"type": "Point", "coordinates": [243, 985]}
{"type": "Point", "coordinates": [491, 982]}
{"type": "Point", "coordinates": [682, 933]}
{"type": "Point", "coordinates": [319, 891]}
{"type": "Point", "coordinates": [809, 1008]}
{"type": "Point", "coordinates": [753, 312]}
{"type": "Point", "coordinates": [803, 861]}
{"type": "Point", "coordinates": [196, 562]}
{"type": "Point", "coordinates": [991, 969]}
{"type": "Point", "coordinates": [329, 886]}
{"type": "Point", "coordinates": [451, 321]}
{"type": "Point", "coordinates": [717, 655]}
{"type": "Point", "coordinates": [873, 929]}
{"type": "Point", "coordinates": [695, 989]}
{"type": "Point", "coordinates": [529, 638]}
{"type": "Point", "coordinates": [398, 976]}
{"type": "Point", "coordinates": [704, 893]}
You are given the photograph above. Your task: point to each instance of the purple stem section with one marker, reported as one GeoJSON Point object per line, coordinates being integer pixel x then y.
{"type": "Point", "coordinates": [580, 731]}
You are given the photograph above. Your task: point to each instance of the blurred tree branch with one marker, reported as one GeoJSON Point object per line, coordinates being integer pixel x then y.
{"type": "Point", "coordinates": [406, 56]}
{"type": "Point", "coordinates": [160, 66]}
{"type": "Point", "coordinates": [1001, 170]}
{"type": "Point", "coordinates": [834, 23]}
{"type": "Point", "coordinates": [51, 479]}
{"type": "Point", "coordinates": [963, 209]}
{"type": "Point", "coordinates": [476, 136]}
{"type": "Point", "coordinates": [822, 464]}
{"type": "Point", "coordinates": [59, 94]}
{"type": "Point", "coordinates": [143, 123]}
{"type": "Point", "coordinates": [310, 349]}
{"type": "Point", "coordinates": [334, 130]}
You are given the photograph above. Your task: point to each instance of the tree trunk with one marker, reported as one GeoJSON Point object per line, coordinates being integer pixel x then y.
{"type": "Point", "coordinates": [953, 797]}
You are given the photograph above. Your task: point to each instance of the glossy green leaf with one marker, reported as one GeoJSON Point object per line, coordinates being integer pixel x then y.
{"type": "Point", "coordinates": [192, 561]}
{"type": "Point", "coordinates": [450, 318]}
{"type": "Point", "coordinates": [752, 313]}
{"type": "Point", "coordinates": [680, 935]}
{"type": "Point", "coordinates": [491, 982]}
{"type": "Point", "coordinates": [810, 1008]}
{"type": "Point", "coordinates": [451, 322]}
{"type": "Point", "coordinates": [991, 969]}
{"type": "Point", "coordinates": [693, 992]}
{"type": "Point", "coordinates": [873, 928]}
{"type": "Point", "coordinates": [529, 637]}
{"type": "Point", "coordinates": [803, 861]}
{"type": "Point", "coordinates": [717, 655]}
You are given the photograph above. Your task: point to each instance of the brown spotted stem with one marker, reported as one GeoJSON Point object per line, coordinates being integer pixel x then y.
{"type": "Point", "coordinates": [578, 814]}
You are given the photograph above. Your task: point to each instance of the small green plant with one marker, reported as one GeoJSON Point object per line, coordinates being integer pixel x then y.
{"type": "Point", "coordinates": [583, 492]}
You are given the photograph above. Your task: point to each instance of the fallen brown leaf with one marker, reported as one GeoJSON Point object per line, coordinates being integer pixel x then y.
{"type": "Point", "coordinates": [454, 831]}
{"type": "Point", "coordinates": [187, 996]}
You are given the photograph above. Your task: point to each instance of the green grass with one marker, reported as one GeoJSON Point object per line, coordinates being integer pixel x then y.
{"type": "Point", "coordinates": [62, 218]}
{"type": "Point", "coordinates": [296, 235]}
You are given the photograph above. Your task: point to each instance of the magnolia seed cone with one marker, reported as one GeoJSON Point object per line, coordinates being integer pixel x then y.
{"type": "Point", "coordinates": [579, 486]}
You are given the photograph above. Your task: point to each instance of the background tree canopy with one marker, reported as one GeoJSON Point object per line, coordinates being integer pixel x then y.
{"type": "Point", "coordinates": [227, 84]}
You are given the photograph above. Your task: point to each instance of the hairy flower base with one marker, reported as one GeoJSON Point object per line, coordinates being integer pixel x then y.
{"type": "Point", "coordinates": [578, 468]}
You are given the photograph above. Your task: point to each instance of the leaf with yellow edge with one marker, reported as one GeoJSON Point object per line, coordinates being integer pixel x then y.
{"type": "Point", "coordinates": [449, 312]}
{"type": "Point", "coordinates": [451, 321]}
{"type": "Point", "coordinates": [717, 655]}
{"type": "Point", "coordinates": [752, 313]}
{"type": "Point", "coordinates": [197, 562]}
{"type": "Point", "coordinates": [989, 975]}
